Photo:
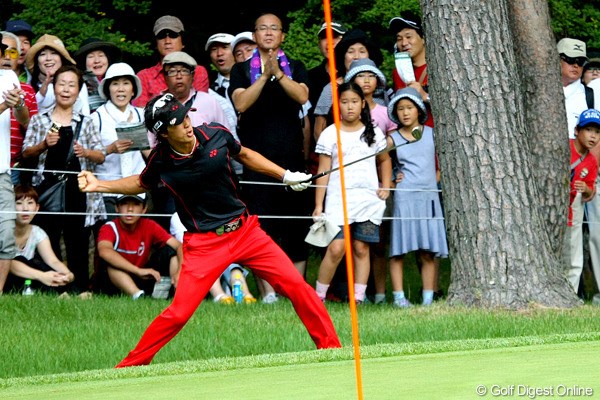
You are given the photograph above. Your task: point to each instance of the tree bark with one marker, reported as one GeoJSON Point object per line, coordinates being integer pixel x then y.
{"type": "Point", "coordinates": [498, 208]}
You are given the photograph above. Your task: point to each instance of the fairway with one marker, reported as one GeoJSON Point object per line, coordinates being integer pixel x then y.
{"type": "Point", "coordinates": [558, 368]}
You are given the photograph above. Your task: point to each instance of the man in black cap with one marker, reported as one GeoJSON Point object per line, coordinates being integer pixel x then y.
{"type": "Point", "coordinates": [23, 30]}
{"type": "Point", "coordinates": [194, 164]}
{"type": "Point", "coordinates": [408, 33]}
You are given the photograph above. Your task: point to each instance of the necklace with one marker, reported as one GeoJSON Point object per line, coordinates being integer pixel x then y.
{"type": "Point", "coordinates": [188, 154]}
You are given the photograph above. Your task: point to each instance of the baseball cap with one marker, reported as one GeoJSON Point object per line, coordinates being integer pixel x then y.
{"type": "Point", "coordinates": [242, 37]}
{"type": "Point", "coordinates": [225, 38]}
{"type": "Point", "coordinates": [589, 117]}
{"type": "Point", "coordinates": [164, 111]}
{"type": "Point", "coordinates": [179, 57]}
{"type": "Point", "coordinates": [336, 27]}
{"type": "Point", "coordinates": [571, 48]}
{"type": "Point", "coordinates": [138, 197]}
{"type": "Point", "coordinates": [19, 27]}
{"type": "Point", "coordinates": [411, 21]}
{"type": "Point", "coordinates": [168, 22]}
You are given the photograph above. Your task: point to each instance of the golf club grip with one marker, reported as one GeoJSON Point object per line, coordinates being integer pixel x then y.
{"type": "Point", "coordinates": [315, 177]}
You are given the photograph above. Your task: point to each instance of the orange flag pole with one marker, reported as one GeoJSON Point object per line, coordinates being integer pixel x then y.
{"type": "Point", "coordinates": [347, 242]}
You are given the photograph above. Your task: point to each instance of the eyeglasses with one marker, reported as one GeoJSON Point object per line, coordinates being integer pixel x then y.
{"type": "Point", "coordinates": [11, 53]}
{"type": "Point", "coordinates": [580, 61]}
{"type": "Point", "coordinates": [166, 32]}
{"type": "Point", "coordinates": [174, 72]}
{"type": "Point", "coordinates": [273, 28]}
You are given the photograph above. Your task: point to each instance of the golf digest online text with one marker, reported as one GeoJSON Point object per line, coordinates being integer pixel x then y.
{"type": "Point", "coordinates": [533, 392]}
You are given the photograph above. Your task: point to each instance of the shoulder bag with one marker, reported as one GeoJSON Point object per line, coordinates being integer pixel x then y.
{"type": "Point", "coordinates": [53, 199]}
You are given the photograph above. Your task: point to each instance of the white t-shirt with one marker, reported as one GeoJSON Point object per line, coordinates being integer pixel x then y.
{"type": "Point", "coordinates": [36, 235]}
{"type": "Point", "coordinates": [8, 80]}
{"type": "Point", "coordinates": [361, 179]}
{"type": "Point", "coordinates": [575, 104]}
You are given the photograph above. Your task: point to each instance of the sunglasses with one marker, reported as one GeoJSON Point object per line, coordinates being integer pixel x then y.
{"type": "Point", "coordinates": [166, 32]}
{"type": "Point", "coordinates": [11, 53]}
{"type": "Point", "coordinates": [580, 61]}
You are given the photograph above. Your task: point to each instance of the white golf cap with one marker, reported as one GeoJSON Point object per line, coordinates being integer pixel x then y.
{"type": "Point", "coordinates": [225, 38]}
{"type": "Point", "coordinates": [571, 48]}
{"type": "Point", "coordinates": [242, 37]}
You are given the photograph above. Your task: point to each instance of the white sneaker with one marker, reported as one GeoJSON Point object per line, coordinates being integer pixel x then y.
{"type": "Point", "coordinates": [270, 298]}
{"type": "Point", "coordinates": [138, 295]}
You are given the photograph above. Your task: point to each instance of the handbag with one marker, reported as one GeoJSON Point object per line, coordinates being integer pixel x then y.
{"type": "Point", "coordinates": [53, 198]}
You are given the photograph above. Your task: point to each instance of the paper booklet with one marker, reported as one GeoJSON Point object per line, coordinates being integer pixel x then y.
{"type": "Point", "coordinates": [136, 132]}
{"type": "Point", "coordinates": [404, 66]}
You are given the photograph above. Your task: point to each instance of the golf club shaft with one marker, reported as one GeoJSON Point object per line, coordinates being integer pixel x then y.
{"type": "Point", "coordinates": [387, 149]}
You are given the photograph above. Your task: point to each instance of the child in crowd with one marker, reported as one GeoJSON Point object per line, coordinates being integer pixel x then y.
{"type": "Point", "coordinates": [418, 223]}
{"type": "Point", "coordinates": [584, 170]}
{"type": "Point", "coordinates": [365, 200]}
{"type": "Point", "coordinates": [35, 258]}
{"type": "Point", "coordinates": [365, 74]}
{"type": "Point", "coordinates": [221, 290]}
{"type": "Point", "coordinates": [136, 251]}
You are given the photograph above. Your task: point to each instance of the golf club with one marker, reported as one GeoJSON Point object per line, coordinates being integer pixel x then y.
{"type": "Point", "coordinates": [416, 132]}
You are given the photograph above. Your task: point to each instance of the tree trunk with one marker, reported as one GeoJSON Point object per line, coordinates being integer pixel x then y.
{"type": "Point", "coordinates": [500, 214]}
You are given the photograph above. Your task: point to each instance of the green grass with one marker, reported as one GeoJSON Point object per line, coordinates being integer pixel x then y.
{"type": "Point", "coordinates": [67, 348]}
{"type": "Point", "coordinates": [449, 370]}
{"type": "Point", "coordinates": [46, 335]}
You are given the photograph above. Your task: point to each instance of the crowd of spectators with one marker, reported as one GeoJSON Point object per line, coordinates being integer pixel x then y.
{"type": "Point", "coordinates": [62, 113]}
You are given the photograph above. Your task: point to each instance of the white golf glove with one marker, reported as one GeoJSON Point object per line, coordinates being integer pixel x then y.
{"type": "Point", "coordinates": [293, 180]}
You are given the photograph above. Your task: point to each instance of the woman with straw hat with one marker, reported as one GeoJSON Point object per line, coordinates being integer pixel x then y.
{"type": "Point", "coordinates": [43, 59]}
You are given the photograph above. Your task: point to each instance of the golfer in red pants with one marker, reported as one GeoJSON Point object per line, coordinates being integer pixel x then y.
{"type": "Point", "coordinates": [194, 164]}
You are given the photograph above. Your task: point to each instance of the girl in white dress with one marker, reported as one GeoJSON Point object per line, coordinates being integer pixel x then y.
{"type": "Point", "coordinates": [365, 198]}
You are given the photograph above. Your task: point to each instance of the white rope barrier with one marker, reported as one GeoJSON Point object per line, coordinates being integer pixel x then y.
{"type": "Point", "coordinates": [242, 182]}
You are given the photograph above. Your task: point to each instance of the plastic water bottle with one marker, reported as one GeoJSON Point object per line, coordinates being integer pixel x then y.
{"type": "Point", "coordinates": [238, 295]}
{"type": "Point", "coordinates": [28, 290]}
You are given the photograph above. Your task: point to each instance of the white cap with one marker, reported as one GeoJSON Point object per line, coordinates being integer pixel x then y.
{"type": "Point", "coordinates": [117, 70]}
{"type": "Point", "coordinates": [225, 38]}
{"type": "Point", "coordinates": [242, 37]}
{"type": "Point", "coordinates": [571, 48]}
